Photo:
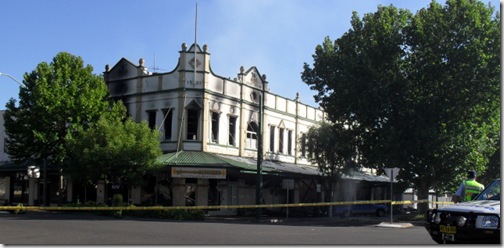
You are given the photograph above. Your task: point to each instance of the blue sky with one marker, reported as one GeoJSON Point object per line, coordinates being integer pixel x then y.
{"type": "Point", "coordinates": [276, 36]}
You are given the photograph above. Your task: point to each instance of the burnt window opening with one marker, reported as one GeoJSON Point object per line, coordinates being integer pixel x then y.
{"type": "Point", "coordinates": [281, 140]}
{"type": "Point", "coordinates": [303, 145]}
{"type": "Point", "coordinates": [167, 123]}
{"type": "Point", "coordinates": [272, 139]}
{"type": "Point", "coordinates": [253, 96]}
{"type": "Point", "coordinates": [232, 130]}
{"type": "Point", "coordinates": [192, 124]}
{"type": "Point", "coordinates": [289, 142]}
{"type": "Point", "coordinates": [151, 116]}
{"type": "Point", "coordinates": [252, 129]}
{"type": "Point", "coordinates": [215, 127]}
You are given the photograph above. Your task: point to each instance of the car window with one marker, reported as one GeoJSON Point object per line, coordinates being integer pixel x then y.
{"type": "Point", "coordinates": [491, 192]}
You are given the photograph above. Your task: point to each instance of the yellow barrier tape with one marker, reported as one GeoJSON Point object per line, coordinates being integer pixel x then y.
{"type": "Point", "coordinates": [135, 208]}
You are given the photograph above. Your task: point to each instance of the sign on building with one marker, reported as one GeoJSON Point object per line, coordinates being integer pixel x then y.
{"type": "Point", "coordinates": [184, 172]}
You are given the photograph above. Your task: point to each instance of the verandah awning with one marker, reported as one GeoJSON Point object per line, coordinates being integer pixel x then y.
{"type": "Point", "coordinates": [204, 159]}
{"type": "Point", "coordinates": [277, 167]}
{"type": "Point", "coordinates": [244, 164]}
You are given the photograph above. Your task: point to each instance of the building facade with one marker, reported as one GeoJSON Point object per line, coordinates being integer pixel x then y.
{"type": "Point", "coordinates": [198, 111]}
{"type": "Point", "coordinates": [214, 129]}
{"type": "Point", "coordinates": [201, 114]}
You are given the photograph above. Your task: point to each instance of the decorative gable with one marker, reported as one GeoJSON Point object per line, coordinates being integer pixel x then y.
{"type": "Point", "coordinates": [123, 69]}
{"type": "Point", "coordinates": [252, 77]}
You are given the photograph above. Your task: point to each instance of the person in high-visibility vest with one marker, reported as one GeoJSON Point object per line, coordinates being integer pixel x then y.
{"type": "Point", "coordinates": [468, 189]}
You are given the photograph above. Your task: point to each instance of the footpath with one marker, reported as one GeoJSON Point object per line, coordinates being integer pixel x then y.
{"type": "Point", "coordinates": [384, 222]}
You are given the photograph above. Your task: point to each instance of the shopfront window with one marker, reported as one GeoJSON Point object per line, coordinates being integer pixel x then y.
{"type": "Point", "coordinates": [214, 194]}
{"type": "Point", "coordinates": [190, 195]}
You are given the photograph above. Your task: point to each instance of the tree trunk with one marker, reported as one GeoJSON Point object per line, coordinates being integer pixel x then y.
{"type": "Point", "coordinates": [331, 198]}
{"type": "Point", "coordinates": [423, 194]}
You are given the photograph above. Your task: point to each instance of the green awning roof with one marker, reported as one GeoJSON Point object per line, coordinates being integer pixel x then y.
{"type": "Point", "coordinates": [203, 159]}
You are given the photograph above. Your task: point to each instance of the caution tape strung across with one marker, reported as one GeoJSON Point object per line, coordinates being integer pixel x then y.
{"type": "Point", "coordinates": [135, 208]}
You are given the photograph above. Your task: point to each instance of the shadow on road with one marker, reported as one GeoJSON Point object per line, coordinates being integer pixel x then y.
{"type": "Point", "coordinates": [298, 221]}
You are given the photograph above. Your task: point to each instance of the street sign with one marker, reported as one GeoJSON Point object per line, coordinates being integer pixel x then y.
{"type": "Point", "coordinates": [392, 173]}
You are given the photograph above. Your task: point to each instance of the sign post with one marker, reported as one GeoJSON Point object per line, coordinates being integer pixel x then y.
{"type": "Point", "coordinates": [391, 173]}
{"type": "Point", "coordinates": [288, 184]}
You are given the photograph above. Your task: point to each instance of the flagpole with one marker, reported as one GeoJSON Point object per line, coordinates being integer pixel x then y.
{"type": "Point", "coordinates": [195, 41]}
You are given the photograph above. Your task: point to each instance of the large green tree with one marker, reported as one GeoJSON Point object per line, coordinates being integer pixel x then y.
{"type": "Point", "coordinates": [114, 150]}
{"type": "Point", "coordinates": [420, 91]}
{"type": "Point", "coordinates": [59, 96]}
{"type": "Point", "coordinates": [65, 118]}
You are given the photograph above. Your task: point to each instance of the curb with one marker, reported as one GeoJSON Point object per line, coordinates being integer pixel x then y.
{"type": "Point", "coordinates": [395, 225]}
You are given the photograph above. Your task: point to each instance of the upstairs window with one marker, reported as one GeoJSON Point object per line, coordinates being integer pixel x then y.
{"type": "Point", "coordinates": [151, 116]}
{"type": "Point", "coordinates": [281, 140]}
{"type": "Point", "coordinates": [252, 129]}
{"type": "Point", "coordinates": [303, 145]}
{"type": "Point", "coordinates": [272, 139]}
{"type": "Point", "coordinates": [192, 123]}
{"type": "Point", "coordinates": [167, 123]}
{"type": "Point", "coordinates": [215, 127]}
{"type": "Point", "coordinates": [232, 130]}
{"type": "Point", "coordinates": [289, 142]}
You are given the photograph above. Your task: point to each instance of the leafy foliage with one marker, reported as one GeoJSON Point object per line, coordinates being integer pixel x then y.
{"type": "Point", "coordinates": [420, 91]}
{"type": "Point", "coordinates": [64, 115]}
{"type": "Point", "coordinates": [113, 150]}
{"type": "Point", "coordinates": [58, 97]}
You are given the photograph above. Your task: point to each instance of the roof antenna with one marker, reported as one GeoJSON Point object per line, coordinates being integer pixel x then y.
{"type": "Point", "coordinates": [154, 68]}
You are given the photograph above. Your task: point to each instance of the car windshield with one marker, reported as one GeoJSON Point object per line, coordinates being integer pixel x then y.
{"type": "Point", "coordinates": [491, 192]}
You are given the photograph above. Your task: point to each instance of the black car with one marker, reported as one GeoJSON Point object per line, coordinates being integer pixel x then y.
{"type": "Point", "coordinates": [473, 222]}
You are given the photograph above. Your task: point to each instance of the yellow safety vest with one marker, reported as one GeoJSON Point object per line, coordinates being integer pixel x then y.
{"type": "Point", "coordinates": [471, 189]}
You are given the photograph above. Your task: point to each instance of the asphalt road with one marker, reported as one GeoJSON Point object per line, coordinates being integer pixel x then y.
{"type": "Point", "coordinates": [49, 228]}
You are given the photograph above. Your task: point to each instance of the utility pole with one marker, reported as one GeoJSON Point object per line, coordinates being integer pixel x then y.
{"type": "Point", "coordinates": [259, 156]}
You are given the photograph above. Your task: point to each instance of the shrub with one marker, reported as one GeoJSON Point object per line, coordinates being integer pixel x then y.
{"type": "Point", "coordinates": [198, 215]}
{"type": "Point", "coordinates": [117, 201]}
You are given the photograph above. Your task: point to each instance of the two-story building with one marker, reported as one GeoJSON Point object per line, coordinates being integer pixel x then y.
{"type": "Point", "coordinates": [211, 130]}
